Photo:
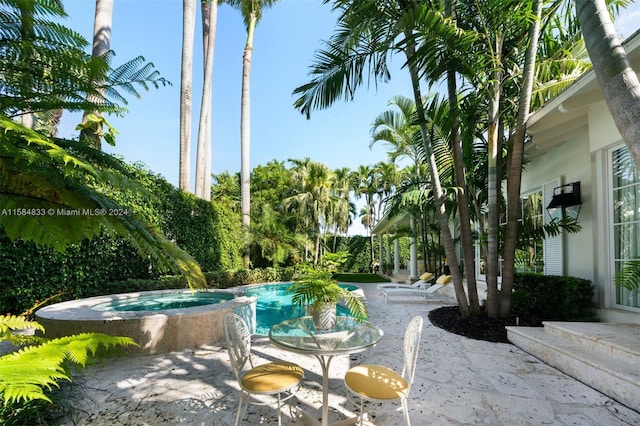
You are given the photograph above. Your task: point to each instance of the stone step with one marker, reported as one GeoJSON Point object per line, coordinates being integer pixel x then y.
{"type": "Point", "coordinates": [572, 350]}
{"type": "Point", "coordinates": [616, 340]}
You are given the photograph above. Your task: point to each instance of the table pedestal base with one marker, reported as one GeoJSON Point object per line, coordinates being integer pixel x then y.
{"type": "Point", "coordinates": [307, 419]}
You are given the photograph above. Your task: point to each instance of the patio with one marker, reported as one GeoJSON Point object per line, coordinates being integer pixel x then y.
{"type": "Point", "coordinates": [459, 381]}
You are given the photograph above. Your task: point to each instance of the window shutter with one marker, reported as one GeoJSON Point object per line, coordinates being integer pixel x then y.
{"type": "Point", "coordinates": [552, 246]}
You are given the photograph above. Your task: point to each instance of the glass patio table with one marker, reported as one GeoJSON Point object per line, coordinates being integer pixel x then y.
{"type": "Point", "coordinates": [348, 336]}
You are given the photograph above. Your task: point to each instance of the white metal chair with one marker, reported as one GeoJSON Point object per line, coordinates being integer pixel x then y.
{"type": "Point", "coordinates": [273, 378]}
{"type": "Point", "coordinates": [382, 385]}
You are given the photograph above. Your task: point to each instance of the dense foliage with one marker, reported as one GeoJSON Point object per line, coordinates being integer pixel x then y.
{"type": "Point", "coordinates": [30, 272]}
{"type": "Point", "coordinates": [553, 298]}
{"type": "Point", "coordinates": [209, 231]}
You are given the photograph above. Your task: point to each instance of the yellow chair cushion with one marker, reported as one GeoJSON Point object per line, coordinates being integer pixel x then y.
{"type": "Point", "coordinates": [443, 279]}
{"type": "Point", "coordinates": [272, 377]}
{"type": "Point", "coordinates": [426, 276]}
{"type": "Point", "coordinates": [376, 382]}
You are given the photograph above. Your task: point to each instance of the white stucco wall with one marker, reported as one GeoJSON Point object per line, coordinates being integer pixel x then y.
{"type": "Point", "coordinates": [576, 132]}
{"type": "Point", "coordinates": [584, 158]}
{"type": "Point", "coordinates": [602, 130]}
{"type": "Point", "coordinates": [572, 162]}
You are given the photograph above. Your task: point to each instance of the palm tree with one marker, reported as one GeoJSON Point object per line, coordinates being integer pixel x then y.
{"type": "Point", "coordinates": [203, 153]}
{"type": "Point", "coordinates": [101, 46]}
{"type": "Point", "coordinates": [515, 162]}
{"type": "Point", "coordinates": [186, 78]}
{"type": "Point", "coordinates": [367, 34]}
{"type": "Point", "coordinates": [276, 242]}
{"type": "Point", "coordinates": [367, 183]}
{"type": "Point", "coordinates": [341, 218]}
{"type": "Point", "coordinates": [510, 33]}
{"type": "Point", "coordinates": [314, 199]}
{"type": "Point", "coordinates": [252, 11]}
{"type": "Point", "coordinates": [397, 129]}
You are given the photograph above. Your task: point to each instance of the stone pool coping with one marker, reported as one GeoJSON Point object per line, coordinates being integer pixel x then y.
{"type": "Point", "coordinates": [155, 331]}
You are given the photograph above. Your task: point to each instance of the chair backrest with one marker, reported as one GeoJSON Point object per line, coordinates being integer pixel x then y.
{"type": "Point", "coordinates": [238, 337]}
{"type": "Point", "coordinates": [433, 288]}
{"type": "Point", "coordinates": [419, 284]}
{"type": "Point", "coordinates": [410, 345]}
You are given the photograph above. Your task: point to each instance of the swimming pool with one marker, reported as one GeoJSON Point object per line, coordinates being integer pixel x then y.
{"type": "Point", "coordinates": [162, 301]}
{"type": "Point", "coordinates": [274, 305]}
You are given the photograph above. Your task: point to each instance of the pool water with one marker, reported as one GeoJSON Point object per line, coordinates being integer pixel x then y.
{"type": "Point", "coordinates": [159, 302]}
{"type": "Point", "coordinates": [274, 305]}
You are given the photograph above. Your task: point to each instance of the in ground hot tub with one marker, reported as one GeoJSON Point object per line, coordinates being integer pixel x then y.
{"type": "Point", "coordinates": [159, 321]}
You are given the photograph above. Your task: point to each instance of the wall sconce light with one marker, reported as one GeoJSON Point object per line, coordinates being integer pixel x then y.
{"type": "Point", "coordinates": [566, 202]}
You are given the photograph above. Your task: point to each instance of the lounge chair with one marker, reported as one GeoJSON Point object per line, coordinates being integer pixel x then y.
{"type": "Point", "coordinates": [422, 283]}
{"type": "Point", "coordinates": [429, 292]}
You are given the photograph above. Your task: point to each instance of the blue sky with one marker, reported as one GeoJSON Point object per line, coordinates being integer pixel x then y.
{"type": "Point", "coordinates": [285, 42]}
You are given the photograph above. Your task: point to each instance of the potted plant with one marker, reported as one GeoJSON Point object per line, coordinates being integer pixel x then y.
{"type": "Point", "coordinates": [317, 290]}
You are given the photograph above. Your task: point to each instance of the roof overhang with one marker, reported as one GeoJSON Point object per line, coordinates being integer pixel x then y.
{"type": "Point", "coordinates": [391, 224]}
{"type": "Point", "coordinates": [566, 115]}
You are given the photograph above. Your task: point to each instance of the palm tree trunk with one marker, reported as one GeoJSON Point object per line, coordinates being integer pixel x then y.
{"type": "Point", "coordinates": [101, 45]}
{"type": "Point", "coordinates": [515, 161]}
{"type": "Point", "coordinates": [316, 251]}
{"type": "Point", "coordinates": [245, 132]}
{"type": "Point", "coordinates": [445, 231]}
{"type": "Point", "coordinates": [466, 235]}
{"type": "Point", "coordinates": [186, 79]}
{"type": "Point", "coordinates": [493, 186]}
{"type": "Point", "coordinates": [617, 79]}
{"type": "Point", "coordinates": [203, 154]}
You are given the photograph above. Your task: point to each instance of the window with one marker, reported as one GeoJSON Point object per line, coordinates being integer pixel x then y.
{"type": "Point", "coordinates": [626, 219]}
{"type": "Point", "coordinates": [530, 254]}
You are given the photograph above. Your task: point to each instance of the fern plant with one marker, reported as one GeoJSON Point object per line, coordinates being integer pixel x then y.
{"type": "Point", "coordinates": [44, 66]}
{"type": "Point", "coordinates": [30, 372]}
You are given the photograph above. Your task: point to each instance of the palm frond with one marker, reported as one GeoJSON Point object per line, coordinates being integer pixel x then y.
{"type": "Point", "coordinates": [339, 69]}
{"type": "Point", "coordinates": [629, 275]}
{"type": "Point", "coordinates": [136, 72]}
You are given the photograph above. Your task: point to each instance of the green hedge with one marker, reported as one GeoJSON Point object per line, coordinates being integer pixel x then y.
{"type": "Point", "coordinates": [207, 231]}
{"type": "Point", "coordinates": [234, 278]}
{"type": "Point", "coordinates": [553, 298]}
{"type": "Point", "coordinates": [30, 273]}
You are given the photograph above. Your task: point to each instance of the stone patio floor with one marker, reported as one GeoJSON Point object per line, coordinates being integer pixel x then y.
{"type": "Point", "coordinates": [459, 381]}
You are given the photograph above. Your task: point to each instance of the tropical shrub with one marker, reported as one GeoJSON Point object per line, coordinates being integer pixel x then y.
{"type": "Point", "coordinates": [549, 297]}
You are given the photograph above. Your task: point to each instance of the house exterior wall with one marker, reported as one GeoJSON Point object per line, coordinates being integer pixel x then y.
{"type": "Point", "coordinates": [572, 162]}
{"type": "Point", "coordinates": [584, 157]}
